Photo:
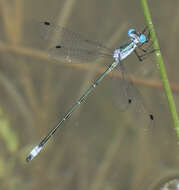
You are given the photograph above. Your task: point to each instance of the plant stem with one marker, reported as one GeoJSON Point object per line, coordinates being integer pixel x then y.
{"type": "Point", "coordinates": [161, 66]}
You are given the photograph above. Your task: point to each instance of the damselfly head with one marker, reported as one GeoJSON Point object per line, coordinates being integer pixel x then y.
{"type": "Point", "coordinates": [135, 37]}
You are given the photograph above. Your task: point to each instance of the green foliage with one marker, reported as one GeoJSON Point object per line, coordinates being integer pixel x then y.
{"type": "Point", "coordinates": [7, 134]}
{"type": "Point", "coordinates": [161, 66]}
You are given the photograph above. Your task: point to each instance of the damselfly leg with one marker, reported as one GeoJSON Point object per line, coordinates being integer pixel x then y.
{"type": "Point", "coordinates": [145, 47]}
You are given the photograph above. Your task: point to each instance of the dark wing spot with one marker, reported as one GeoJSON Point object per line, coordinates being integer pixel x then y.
{"type": "Point", "coordinates": [47, 23]}
{"type": "Point", "coordinates": [130, 101]}
{"type": "Point", "coordinates": [58, 46]}
{"type": "Point", "coordinates": [151, 117]}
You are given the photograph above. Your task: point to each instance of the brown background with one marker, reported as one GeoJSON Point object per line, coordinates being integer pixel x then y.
{"type": "Point", "coordinates": [99, 148]}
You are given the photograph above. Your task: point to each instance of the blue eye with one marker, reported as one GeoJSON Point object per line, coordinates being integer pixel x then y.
{"type": "Point", "coordinates": [142, 38]}
{"type": "Point", "coordinates": [130, 31]}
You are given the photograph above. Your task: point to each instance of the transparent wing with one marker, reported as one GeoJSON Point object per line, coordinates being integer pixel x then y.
{"type": "Point", "coordinates": [126, 97]}
{"type": "Point", "coordinates": [71, 46]}
{"type": "Point", "coordinates": [73, 55]}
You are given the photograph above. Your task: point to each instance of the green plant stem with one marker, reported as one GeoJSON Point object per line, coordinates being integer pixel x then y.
{"type": "Point", "coordinates": [161, 66]}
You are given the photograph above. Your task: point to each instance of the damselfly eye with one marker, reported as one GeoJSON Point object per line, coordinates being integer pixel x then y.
{"type": "Point", "coordinates": [131, 31]}
{"type": "Point", "coordinates": [142, 38]}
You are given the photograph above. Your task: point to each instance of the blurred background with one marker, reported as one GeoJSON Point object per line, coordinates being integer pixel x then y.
{"type": "Point", "coordinates": [99, 147]}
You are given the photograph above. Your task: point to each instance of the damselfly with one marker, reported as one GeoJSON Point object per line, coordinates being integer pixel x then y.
{"type": "Point", "coordinates": [73, 47]}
